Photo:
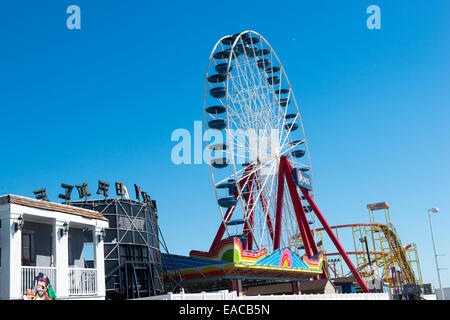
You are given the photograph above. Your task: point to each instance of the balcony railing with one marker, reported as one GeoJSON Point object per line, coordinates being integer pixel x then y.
{"type": "Point", "coordinates": [29, 275]}
{"type": "Point", "coordinates": [82, 281]}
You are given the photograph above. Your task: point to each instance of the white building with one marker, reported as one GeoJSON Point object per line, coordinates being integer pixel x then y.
{"type": "Point", "coordinates": [64, 243]}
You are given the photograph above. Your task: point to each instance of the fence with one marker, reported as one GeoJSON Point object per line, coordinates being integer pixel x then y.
{"type": "Point", "coordinates": [82, 281]}
{"type": "Point", "coordinates": [226, 295]}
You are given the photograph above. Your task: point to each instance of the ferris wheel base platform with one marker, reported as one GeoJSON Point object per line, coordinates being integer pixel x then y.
{"type": "Point", "coordinates": [229, 261]}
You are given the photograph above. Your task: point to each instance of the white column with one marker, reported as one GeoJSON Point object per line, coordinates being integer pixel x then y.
{"type": "Point", "coordinates": [15, 258]}
{"type": "Point", "coordinates": [99, 261]}
{"type": "Point", "coordinates": [4, 267]}
{"type": "Point", "coordinates": [61, 256]}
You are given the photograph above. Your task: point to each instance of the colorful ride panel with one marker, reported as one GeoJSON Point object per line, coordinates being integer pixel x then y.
{"type": "Point", "coordinates": [228, 260]}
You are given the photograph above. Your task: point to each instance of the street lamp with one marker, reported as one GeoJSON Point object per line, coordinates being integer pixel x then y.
{"type": "Point", "coordinates": [364, 241]}
{"type": "Point", "coordinates": [334, 261]}
{"type": "Point", "coordinates": [435, 210]}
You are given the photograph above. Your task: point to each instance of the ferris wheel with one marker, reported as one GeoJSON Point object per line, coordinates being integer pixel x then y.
{"type": "Point", "coordinates": [249, 100]}
{"type": "Point", "coordinates": [258, 153]}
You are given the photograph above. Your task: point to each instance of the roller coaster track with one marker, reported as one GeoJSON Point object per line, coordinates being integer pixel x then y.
{"type": "Point", "coordinates": [398, 252]}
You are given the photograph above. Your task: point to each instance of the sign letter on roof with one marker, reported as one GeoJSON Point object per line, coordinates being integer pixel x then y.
{"type": "Point", "coordinates": [103, 188]}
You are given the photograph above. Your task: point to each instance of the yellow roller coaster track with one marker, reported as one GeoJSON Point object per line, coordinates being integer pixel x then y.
{"type": "Point", "coordinates": [386, 257]}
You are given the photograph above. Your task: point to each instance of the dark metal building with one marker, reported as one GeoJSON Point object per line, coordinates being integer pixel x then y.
{"type": "Point", "coordinates": [132, 250]}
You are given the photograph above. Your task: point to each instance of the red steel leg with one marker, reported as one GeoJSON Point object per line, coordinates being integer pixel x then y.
{"type": "Point", "coordinates": [222, 228]}
{"type": "Point", "coordinates": [250, 220]}
{"type": "Point", "coordinates": [230, 211]}
{"type": "Point", "coordinates": [289, 172]}
{"type": "Point", "coordinates": [266, 210]}
{"type": "Point", "coordinates": [333, 238]}
{"type": "Point", "coordinates": [298, 210]}
{"type": "Point", "coordinates": [279, 214]}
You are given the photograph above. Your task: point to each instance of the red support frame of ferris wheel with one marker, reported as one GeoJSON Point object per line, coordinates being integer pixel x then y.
{"type": "Point", "coordinates": [229, 213]}
{"type": "Point", "coordinates": [265, 209]}
{"type": "Point", "coordinates": [250, 209]}
{"type": "Point", "coordinates": [309, 243]}
{"type": "Point", "coordinates": [246, 179]}
{"type": "Point", "coordinates": [289, 175]}
{"type": "Point", "coordinates": [286, 172]}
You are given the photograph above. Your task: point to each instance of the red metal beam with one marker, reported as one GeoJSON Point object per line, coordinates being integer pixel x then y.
{"type": "Point", "coordinates": [279, 214]}
{"type": "Point", "coordinates": [333, 238]}
{"type": "Point", "coordinates": [266, 210]}
{"type": "Point", "coordinates": [289, 172]}
{"type": "Point", "coordinates": [230, 210]}
{"type": "Point", "coordinates": [296, 202]}
{"type": "Point", "coordinates": [222, 227]}
{"type": "Point", "coordinates": [307, 236]}
{"type": "Point", "coordinates": [356, 252]}
{"type": "Point", "coordinates": [353, 225]}
{"type": "Point", "coordinates": [249, 212]}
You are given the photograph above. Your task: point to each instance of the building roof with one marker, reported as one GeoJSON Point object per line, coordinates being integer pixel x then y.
{"type": "Point", "coordinates": [316, 285]}
{"type": "Point", "coordinates": [47, 205]}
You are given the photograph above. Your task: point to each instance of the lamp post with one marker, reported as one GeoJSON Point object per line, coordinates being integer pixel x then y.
{"type": "Point", "coordinates": [364, 241]}
{"type": "Point", "coordinates": [435, 210]}
{"type": "Point", "coordinates": [334, 261]}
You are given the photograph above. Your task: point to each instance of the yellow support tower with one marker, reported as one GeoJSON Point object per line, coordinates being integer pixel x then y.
{"type": "Point", "coordinates": [377, 249]}
{"type": "Point", "coordinates": [391, 244]}
{"type": "Point", "coordinates": [413, 259]}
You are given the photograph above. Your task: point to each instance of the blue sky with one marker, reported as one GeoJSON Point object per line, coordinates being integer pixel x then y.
{"type": "Point", "coordinates": [102, 102]}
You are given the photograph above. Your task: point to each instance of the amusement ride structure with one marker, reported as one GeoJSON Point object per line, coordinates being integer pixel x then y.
{"type": "Point", "coordinates": [378, 251]}
{"type": "Point", "coordinates": [269, 237]}
{"type": "Point", "coordinates": [258, 170]}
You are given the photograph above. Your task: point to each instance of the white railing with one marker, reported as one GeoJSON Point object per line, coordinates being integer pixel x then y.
{"type": "Point", "coordinates": [30, 273]}
{"type": "Point", "coordinates": [82, 281]}
{"type": "Point", "coordinates": [226, 295]}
